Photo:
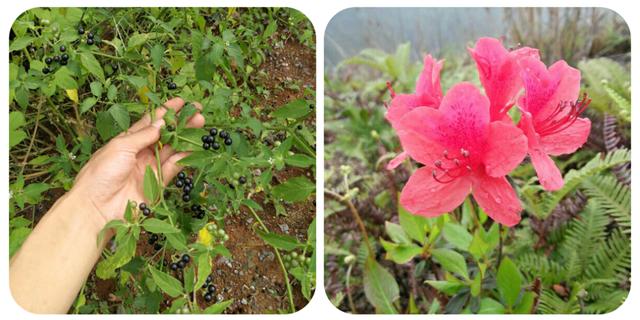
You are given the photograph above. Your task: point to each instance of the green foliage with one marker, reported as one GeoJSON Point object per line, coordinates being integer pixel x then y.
{"type": "Point", "coordinates": [216, 56]}
{"type": "Point", "coordinates": [608, 84]}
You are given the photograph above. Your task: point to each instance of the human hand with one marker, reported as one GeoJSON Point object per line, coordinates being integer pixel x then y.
{"type": "Point", "coordinates": [114, 174]}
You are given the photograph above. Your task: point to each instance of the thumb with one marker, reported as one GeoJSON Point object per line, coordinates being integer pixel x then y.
{"type": "Point", "coordinates": [144, 137]}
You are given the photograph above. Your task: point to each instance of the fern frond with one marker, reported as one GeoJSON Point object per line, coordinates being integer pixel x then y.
{"type": "Point", "coordinates": [533, 266]}
{"type": "Point", "coordinates": [610, 301]}
{"type": "Point", "coordinates": [574, 177]}
{"type": "Point", "coordinates": [610, 196]}
{"type": "Point", "coordinates": [551, 303]}
{"type": "Point", "coordinates": [623, 105]}
{"type": "Point", "coordinates": [612, 259]}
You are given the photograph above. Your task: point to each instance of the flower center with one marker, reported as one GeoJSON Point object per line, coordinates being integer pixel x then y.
{"type": "Point", "coordinates": [450, 168]}
{"type": "Point", "coordinates": [563, 116]}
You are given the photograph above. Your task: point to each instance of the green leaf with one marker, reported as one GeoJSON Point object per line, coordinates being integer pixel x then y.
{"type": "Point", "coordinates": [16, 135]}
{"type": "Point", "coordinates": [270, 29]}
{"type": "Point", "coordinates": [92, 65]}
{"type": "Point", "coordinates": [166, 283]}
{"type": "Point", "coordinates": [21, 42]}
{"type": "Point", "coordinates": [17, 237]}
{"type": "Point", "coordinates": [396, 233]}
{"type": "Point", "coordinates": [451, 261]}
{"type": "Point", "coordinates": [279, 241]}
{"type": "Point", "coordinates": [457, 235]}
{"type": "Point", "coordinates": [96, 88]}
{"type": "Point", "coordinates": [218, 307]}
{"type": "Point", "coordinates": [177, 241]}
{"type": "Point", "coordinates": [154, 225]}
{"type": "Point", "coordinates": [415, 226]}
{"type": "Point", "coordinates": [447, 287]}
{"type": "Point", "coordinates": [293, 110]}
{"type": "Point", "coordinates": [380, 287]}
{"type": "Point", "coordinates": [509, 281]}
{"type": "Point", "coordinates": [125, 251]}
{"type": "Point", "coordinates": [526, 303]}
{"type": "Point", "coordinates": [490, 306]}
{"type": "Point", "coordinates": [150, 185]}
{"type": "Point", "coordinates": [63, 78]}
{"type": "Point", "coordinates": [120, 115]}
{"type": "Point", "coordinates": [400, 253]}
{"type": "Point", "coordinates": [295, 189]}
{"type": "Point", "coordinates": [300, 160]}
{"type": "Point", "coordinates": [204, 268]}
{"type": "Point", "coordinates": [87, 104]}
{"type": "Point", "coordinates": [157, 52]}
{"type": "Point", "coordinates": [32, 193]}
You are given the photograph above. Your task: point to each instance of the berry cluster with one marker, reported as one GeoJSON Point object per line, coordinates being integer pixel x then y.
{"type": "Point", "coordinates": [209, 289]}
{"type": "Point", "coordinates": [218, 233]}
{"type": "Point", "coordinates": [184, 260]}
{"type": "Point", "coordinates": [197, 211]}
{"type": "Point", "coordinates": [209, 141]}
{"type": "Point", "coordinates": [146, 211]}
{"type": "Point", "coordinates": [154, 240]}
{"type": "Point", "coordinates": [186, 183]}
{"type": "Point", "coordinates": [62, 59]}
{"type": "Point", "coordinates": [293, 259]}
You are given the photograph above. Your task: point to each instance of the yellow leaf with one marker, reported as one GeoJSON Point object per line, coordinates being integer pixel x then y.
{"type": "Point", "coordinates": [142, 94]}
{"type": "Point", "coordinates": [73, 95]}
{"type": "Point", "coordinates": [204, 237]}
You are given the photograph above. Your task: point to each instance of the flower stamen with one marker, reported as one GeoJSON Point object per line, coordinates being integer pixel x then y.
{"type": "Point", "coordinates": [569, 111]}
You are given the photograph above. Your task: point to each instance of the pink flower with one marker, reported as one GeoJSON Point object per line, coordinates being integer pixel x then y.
{"type": "Point", "coordinates": [550, 116]}
{"type": "Point", "coordinates": [500, 73]}
{"type": "Point", "coordinates": [428, 94]}
{"type": "Point", "coordinates": [462, 152]}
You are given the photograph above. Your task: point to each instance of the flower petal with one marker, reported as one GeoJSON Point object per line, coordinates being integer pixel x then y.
{"type": "Point", "coordinates": [498, 199]}
{"type": "Point", "coordinates": [423, 195]}
{"type": "Point", "coordinates": [499, 72]}
{"type": "Point", "coordinates": [400, 105]}
{"type": "Point", "coordinates": [417, 132]}
{"type": "Point", "coordinates": [506, 148]}
{"type": "Point", "coordinates": [428, 84]}
{"type": "Point", "coordinates": [548, 173]}
{"type": "Point", "coordinates": [567, 140]}
{"type": "Point", "coordinates": [465, 122]}
{"type": "Point", "coordinates": [395, 162]}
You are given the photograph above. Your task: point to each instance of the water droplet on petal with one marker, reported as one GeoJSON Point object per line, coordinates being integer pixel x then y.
{"type": "Point", "coordinates": [498, 200]}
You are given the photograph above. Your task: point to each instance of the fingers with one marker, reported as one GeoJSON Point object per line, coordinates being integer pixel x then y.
{"type": "Point", "coordinates": [170, 168]}
{"type": "Point", "coordinates": [175, 104]}
{"type": "Point", "coordinates": [196, 121]}
{"type": "Point", "coordinates": [144, 137]}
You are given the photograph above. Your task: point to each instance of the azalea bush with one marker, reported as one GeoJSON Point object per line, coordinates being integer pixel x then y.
{"type": "Point", "coordinates": [235, 232]}
{"type": "Point", "coordinates": [506, 192]}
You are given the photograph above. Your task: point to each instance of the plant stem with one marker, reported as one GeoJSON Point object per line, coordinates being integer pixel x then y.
{"type": "Point", "coordinates": [284, 270]}
{"type": "Point", "coordinates": [356, 216]}
{"type": "Point", "coordinates": [499, 245]}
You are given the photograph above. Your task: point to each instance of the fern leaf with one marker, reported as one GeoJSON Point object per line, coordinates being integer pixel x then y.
{"type": "Point", "coordinates": [612, 197]}
{"type": "Point", "coordinates": [612, 259]}
{"type": "Point", "coordinates": [551, 303]}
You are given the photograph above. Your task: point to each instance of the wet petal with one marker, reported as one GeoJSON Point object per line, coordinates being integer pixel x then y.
{"type": "Point", "coordinates": [428, 84]}
{"type": "Point", "coordinates": [506, 148]}
{"type": "Point", "coordinates": [548, 173]}
{"type": "Point", "coordinates": [423, 195]}
{"type": "Point", "coordinates": [498, 199]}
{"type": "Point", "coordinates": [417, 131]}
{"type": "Point", "coordinates": [400, 105]}
{"type": "Point", "coordinates": [395, 162]}
{"type": "Point", "coordinates": [567, 140]}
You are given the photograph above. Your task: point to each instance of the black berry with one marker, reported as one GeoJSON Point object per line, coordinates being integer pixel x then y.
{"type": "Point", "coordinates": [186, 189]}
{"type": "Point", "coordinates": [64, 57]}
{"type": "Point", "coordinates": [205, 138]}
{"type": "Point", "coordinates": [174, 266]}
{"type": "Point", "coordinates": [157, 246]}
{"type": "Point", "coordinates": [48, 60]}
{"type": "Point", "coordinates": [186, 197]}
{"type": "Point", "coordinates": [80, 30]}
{"type": "Point", "coordinates": [63, 48]}
{"type": "Point", "coordinates": [208, 297]}
{"type": "Point", "coordinates": [90, 41]}
{"type": "Point", "coordinates": [228, 141]}
{"type": "Point", "coordinates": [188, 180]}
{"type": "Point", "coordinates": [45, 70]}
{"type": "Point", "coordinates": [90, 35]}
{"type": "Point", "coordinates": [181, 264]}
{"type": "Point", "coordinates": [211, 289]}
{"type": "Point", "coordinates": [179, 183]}
{"type": "Point", "coordinates": [213, 132]}
{"type": "Point", "coordinates": [63, 62]}
{"type": "Point", "coordinates": [224, 134]}
{"type": "Point", "coordinates": [299, 127]}
{"type": "Point", "coordinates": [56, 58]}
{"type": "Point", "coordinates": [206, 146]}
{"type": "Point", "coordinates": [142, 206]}
{"type": "Point", "coordinates": [154, 237]}
{"type": "Point", "coordinates": [186, 258]}
{"type": "Point", "coordinates": [182, 175]}
{"type": "Point", "coordinates": [215, 146]}
{"type": "Point", "coordinates": [201, 215]}
{"type": "Point", "coordinates": [171, 86]}
{"type": "Point", "coordinates": [242, 180]}
{"type": "Point", "coordinates": [209, 278]}
{"type": "Point", "coordinates": [195, 207]}
{"type": "Point", "coordinates": [146, 212]}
